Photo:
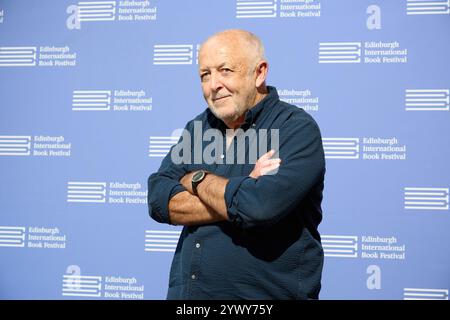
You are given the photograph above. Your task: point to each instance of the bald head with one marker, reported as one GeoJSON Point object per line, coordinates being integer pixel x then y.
{"type": "Point", "coordinates": [241, 41]}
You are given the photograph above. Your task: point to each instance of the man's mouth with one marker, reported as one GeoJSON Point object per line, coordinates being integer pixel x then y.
{"type": "Point", "coordinates": [219, 98]}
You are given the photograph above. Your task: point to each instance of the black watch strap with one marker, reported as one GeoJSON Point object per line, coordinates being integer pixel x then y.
{"type": "Point", "coordinates": [197, 178]}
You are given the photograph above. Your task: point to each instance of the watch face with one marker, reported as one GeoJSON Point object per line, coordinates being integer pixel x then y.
{"type": "Point", "coordinates": [198, 176]}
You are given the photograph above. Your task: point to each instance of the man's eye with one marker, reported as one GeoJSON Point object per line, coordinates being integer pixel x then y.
{"type": "Point", "coordinates": [204, 76]}
{"type": "Point", "coordinates": [225, 71]}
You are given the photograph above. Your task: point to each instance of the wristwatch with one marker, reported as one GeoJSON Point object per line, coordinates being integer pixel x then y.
{"type": "Point", "coordinates": [198, 177]}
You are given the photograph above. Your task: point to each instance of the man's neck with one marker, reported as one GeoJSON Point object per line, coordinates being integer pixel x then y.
{"type": "Point", "coordinates": [236, 123]}
{"type": "Point", "coordinates": [260, 94]}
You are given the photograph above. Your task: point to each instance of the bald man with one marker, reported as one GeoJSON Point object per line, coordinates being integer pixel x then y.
{"type": "Point", "coordinates": [250, 228]}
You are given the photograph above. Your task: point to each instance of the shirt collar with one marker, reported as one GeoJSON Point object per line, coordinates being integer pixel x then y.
{"type": "Point", "coordinates": [255, 112]}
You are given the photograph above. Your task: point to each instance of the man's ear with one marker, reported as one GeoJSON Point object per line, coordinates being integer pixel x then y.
{"type": "Point", "coordinates": [261, 73]}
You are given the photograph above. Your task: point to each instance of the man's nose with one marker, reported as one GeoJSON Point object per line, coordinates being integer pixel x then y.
{"type": "Point", "coordinates": [215, 82]}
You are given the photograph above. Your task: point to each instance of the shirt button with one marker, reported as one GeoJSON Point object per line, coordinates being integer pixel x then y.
{"type": "Point", "coordinates": [193, 277]}
{"type": "Point", "coordinates": [222, 156]}
{"type": "Point", "coordinates": [197, 245]}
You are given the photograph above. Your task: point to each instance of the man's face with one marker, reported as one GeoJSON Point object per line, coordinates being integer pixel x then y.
{"type": "Point", "coordinates": [227, 78]}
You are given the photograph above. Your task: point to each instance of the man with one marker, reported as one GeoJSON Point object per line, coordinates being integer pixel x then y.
{"type": "Point", "coordinates": [250, 229]}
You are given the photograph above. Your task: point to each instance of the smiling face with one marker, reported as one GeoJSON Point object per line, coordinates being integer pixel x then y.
{"type": "Point", "coordinates": [228, 76]}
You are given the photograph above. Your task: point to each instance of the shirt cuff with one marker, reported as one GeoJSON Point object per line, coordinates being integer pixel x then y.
{"type": "Point", "coordinates": [160, 201]}
{"type": "Point", "coordinates": [231, 201]}
{"type": "Point", "coordinates": [176, 189]}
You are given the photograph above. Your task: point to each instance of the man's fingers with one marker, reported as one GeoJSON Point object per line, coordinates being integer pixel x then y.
{"type": "Point", "coordinates": [265, 164]}
{"type": "Point", "coordinates": [267, 155]}
{"type": "Point", "coordinates": [274, 164]}
{"type": "Point", "coordinates": [264, 171]}
{"type": "Point", "coordinates": [269, 167]}
{"type": "Point", "coordinates": [270, 162]}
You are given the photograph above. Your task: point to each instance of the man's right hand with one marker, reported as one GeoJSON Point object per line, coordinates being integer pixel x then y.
{"type": "Point", "coordinates": [265, 164]}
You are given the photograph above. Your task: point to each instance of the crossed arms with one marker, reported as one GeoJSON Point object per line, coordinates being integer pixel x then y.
{"type": "Point", "coordinates": [246, 201]}
{"type": "Point", "coordinates": [209, 206]}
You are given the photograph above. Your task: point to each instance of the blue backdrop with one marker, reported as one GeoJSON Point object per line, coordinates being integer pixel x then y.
{"type": "Point", "coordinates": [91, 95]}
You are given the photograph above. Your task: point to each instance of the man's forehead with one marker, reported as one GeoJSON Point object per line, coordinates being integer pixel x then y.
{"type": "Point", "coordinates": [212, 55]}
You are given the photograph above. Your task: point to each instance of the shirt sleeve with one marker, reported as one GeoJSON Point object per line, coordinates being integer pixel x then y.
{"type": "Point", "coordinates": [252, 202]}
{"type": "Point", "coordinates": [163, 185]}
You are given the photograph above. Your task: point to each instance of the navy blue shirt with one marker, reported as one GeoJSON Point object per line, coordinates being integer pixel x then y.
{"type": "Point", "coordinates": [270, 247]}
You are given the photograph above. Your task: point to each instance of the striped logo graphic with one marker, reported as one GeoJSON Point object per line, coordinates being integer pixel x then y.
{"type": "Point", "coordinates": [256, 9]}
{"type": "Point", "coordinates": [12, 236]}
{"type": "Point", "coordinates": [17, 56]}
{"type": "Point", "coordinates": [341, 148]}
{"type": "Point", "coordinates": [91, 100]}
{"type": "Point", "coordinates": [96, 11]}
{"type": "Point", "coordinates": [340, 246]}
{"type": "Point", "coordinates": [339, 52]}
{"type": "Point", "coordinates": [425, 294]}
{"type": "Point", "coordinates": [426, 198]}
{"type": "Point", "coordinates": [197, 53]}
{"type": "Point", "coordinates": [81, 286]}
{"type": "Point", "coordinates": [160, 146]}
{"type": "Point", "coordinates": [15, 145]}
{"type": "Point", "coordinates": [427, 7]}
{"type": "Point", "coordinates": [173, 54]}
{"type": "Point", "coordinates": [86, 191]}
{"type": "Point", "coordinates": [161, 241]}
{"type": "Point", "coordinates": [427, 100]}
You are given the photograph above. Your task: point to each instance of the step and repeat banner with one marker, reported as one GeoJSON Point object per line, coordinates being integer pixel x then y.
{"type": "Point", "coordinates": [91, 93]}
